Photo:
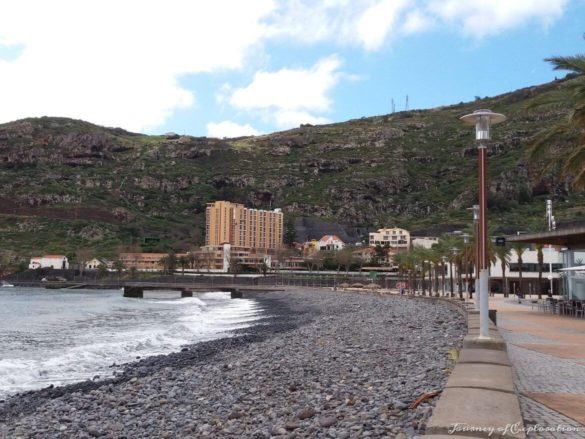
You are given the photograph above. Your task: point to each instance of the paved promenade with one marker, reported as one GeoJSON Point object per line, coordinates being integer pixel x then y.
{"type": "Point", "coordinates": [548, 357]}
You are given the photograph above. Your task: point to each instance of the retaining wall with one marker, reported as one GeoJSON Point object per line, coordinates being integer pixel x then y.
{"type": "Point", "coordinates": [479, 399]}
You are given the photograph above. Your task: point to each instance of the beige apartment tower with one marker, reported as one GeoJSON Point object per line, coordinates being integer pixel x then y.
{"type": "Point", "coordinates": [231, 223]}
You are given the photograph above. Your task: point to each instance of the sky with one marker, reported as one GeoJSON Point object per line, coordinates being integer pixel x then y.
{"type": "Point", "coordinates": [228, 68]}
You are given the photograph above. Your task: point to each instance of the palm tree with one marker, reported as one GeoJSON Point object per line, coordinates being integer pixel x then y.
{"type": "Point", "coordinates": [435, 255]}
{"type": "Point", "coordinates": [562, 146]}
{"type": "Point", "coordinates": [540, 259]}
{"type": "Point", "coordinates": [183, 261]}
{"type": "Point", "coordinates": [519, 249]}
{"type": "Point", "coordinates": [503, 254]}
{"type": "Point", "coordinates": [191, 258]}
{"type": "Point", "coordinates": [400, 259]}
{"type": "Point", "coordinates": [446, 244]}
{"type": "Point", "coordinates": [169, 262]}
{"type": "Point", "coordinates": [420, 256]}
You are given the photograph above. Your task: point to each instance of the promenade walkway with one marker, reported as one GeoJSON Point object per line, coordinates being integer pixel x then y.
{"type": "Point", "coordinates": [548, 357]}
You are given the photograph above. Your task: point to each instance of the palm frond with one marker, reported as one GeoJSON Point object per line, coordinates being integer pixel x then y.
{"type": "Point", "coordinates": [575, 162]}
{"type": "Point", "coordinates": [579, 180]}
{"type": "Point", "coordinates": [575, 63]}
{"type": "Point", "coordinates": [541, 145]}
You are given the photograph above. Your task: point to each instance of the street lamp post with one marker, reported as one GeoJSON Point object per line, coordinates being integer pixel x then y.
{"type": "Point", "coordinates": [483, 119]}
{"type": "Point", "coordinates": [443, 260]}
{"type": "Point", "coordinates": [551, 226]}
{"type": "Point", "coordinates": [476, 232]}
{"type": "Point", "coordinates": [465, 237]}
{"type": "Point", "coordinates": [455, 252]}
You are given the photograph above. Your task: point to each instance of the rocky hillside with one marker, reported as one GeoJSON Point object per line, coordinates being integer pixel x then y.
{"type": "Point", "coordinates": [66, 184]}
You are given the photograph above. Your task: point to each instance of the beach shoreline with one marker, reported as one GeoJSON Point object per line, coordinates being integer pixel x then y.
{"type": "Point", "coordinates": [320, 363]}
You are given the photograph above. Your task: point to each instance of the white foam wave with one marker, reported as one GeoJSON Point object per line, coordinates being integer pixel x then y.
{"type": "Point", "coordinates": [96, 340]}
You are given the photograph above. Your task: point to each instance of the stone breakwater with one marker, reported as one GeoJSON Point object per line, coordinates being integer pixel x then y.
{"type": "Point", "coordinates": [324, 365]}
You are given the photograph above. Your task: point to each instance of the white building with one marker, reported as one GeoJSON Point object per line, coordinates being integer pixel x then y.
{"type": "Point", "coordinates": [424, 241]}
{"type": "Point", "coordinates": [397, 238]}
{"type": "Point", "coordinates": [330, 243]}
{"type": "Point", "coordinates": [59, 262]}
{"type": "Point", "coordinates": [95, 263]}
{"type": "Point", "coordinates": [529, 272]}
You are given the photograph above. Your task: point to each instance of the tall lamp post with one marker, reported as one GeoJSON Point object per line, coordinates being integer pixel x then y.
{"type": "Point", "coordinates": [551, 226]}
{"type": "Point", "coordinates": [443, 266]}
{"type": "Point", "coordinates": [465, 237]}
{"type": "Point", "coordinates": [455, 252]}
{"type": "Point", "coordinates": [483, 119]}
{"type": "Point", "coordinates": [476, 232]}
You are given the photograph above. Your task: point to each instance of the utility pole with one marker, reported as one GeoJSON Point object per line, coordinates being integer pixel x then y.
{"type": "Point", "coordinates": [551, 226]}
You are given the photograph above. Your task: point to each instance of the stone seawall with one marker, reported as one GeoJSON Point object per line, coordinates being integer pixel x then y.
{"type": "Point", "coordinates": [479, 399]}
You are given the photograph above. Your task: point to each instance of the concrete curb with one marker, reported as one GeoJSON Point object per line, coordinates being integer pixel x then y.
{"type": "Point", "coordinates": [479, 399]}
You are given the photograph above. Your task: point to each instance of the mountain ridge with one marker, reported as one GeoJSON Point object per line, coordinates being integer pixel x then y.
{"type": "Point", "coordinates": [67, 184]}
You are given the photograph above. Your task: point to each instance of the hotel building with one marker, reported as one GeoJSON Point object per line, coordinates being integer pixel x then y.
{"type": "Point", "coordinates": [234, 224]}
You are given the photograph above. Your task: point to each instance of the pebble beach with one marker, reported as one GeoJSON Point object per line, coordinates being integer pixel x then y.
{"type": "Point", "coordinates": [322, 364]}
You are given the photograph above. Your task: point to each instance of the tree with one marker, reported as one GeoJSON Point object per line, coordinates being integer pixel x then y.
{"type": "Point", "coordinates": [263, 268]}
{"type": "Point", "coordinates": [118, 265]}
{"type": "Point", "coordinates": [191, 258]}
{"type": "Point", "coordinates": [183, 261]}
{"type": "Point", "coordinates": [420, 256]}
{"type": "Point", "coordinates": [446, 246]}
{"type": "Point", "coordinates": [562, 146]}
{"type": "Point", "coordinates": [315, 260]}
{"type": "Point", "coordinates": [234, 265]}
{"type": "Point", "coordinates": [344, 258]}
{"type": "Point", "coordinates": [207, 258]}
{"type": "Point", "coordinates": [519, 249]}
{"type": "Point", "coordinates": [380, 254]}
{"type": "Point", "coordinates": [169, 262]}
{"type": "Point", "coordinates": [503, 254]}
{"type": "Point", "coordinates": [102, 271]}
{"type": "Point", "coordinates": [83, 255]}
{"type": "Point", "coordinates": [290, 233]}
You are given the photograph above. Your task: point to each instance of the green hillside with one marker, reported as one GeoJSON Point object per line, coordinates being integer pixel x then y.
{"type": "Point", "coordinates": [66, 184]}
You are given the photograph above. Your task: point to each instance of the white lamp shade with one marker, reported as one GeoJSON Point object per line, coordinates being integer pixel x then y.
{"type": "Point", "coordinates": [483, 120]}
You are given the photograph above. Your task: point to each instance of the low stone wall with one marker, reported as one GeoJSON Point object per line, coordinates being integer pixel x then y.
{"type": "Point", "coordinates": [479, 399]}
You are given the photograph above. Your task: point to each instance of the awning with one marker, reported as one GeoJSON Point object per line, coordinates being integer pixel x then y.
{"type": "Point", "coordinates": [576, 268]}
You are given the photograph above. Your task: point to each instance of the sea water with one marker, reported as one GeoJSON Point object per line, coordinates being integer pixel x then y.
{"type": "Point", "coordinates": [65, 336]}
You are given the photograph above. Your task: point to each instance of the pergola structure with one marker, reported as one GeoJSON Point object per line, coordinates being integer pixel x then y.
{"type": "Point", "coordinates": [572, 243]}
{"type": "Point", "coordinates": [570, 238]}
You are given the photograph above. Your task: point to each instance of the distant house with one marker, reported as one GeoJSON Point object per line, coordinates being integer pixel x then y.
{"type": "Point", "coordinates": [143, 261]}
{"type": "Point", "coordinates": [59, 262]}
{"type": "Point", "coordinates": [424, 241]}
{"type": "Point", "coordinates": [95, 263]}
{"type": "Point", "coordinates": [310, 247]}
{"type": "Point", "coordinates": [330, 243]}
{"type": "Point", "coordinates": [395, 237]}
{"type": "Point", "coordinates": [364, 254]}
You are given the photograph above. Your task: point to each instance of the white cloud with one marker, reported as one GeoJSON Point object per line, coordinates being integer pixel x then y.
{"type": "Point", "coordinates": [366, 23]}
{"type": "Point", "coordinates": [481, 18]}
{"type": "Point", "coordinates": [372, 23]}
{"type": "Point", "coordinates": [378, 21]}
{"type": "Point", "coordinates": [230, 129]}
{"type": "Point", "coordinates": [416, 21]}
{"type": "Point", "coordinates": [119, 63]}
{"type": "Point", "coordinates": [291, 95]}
